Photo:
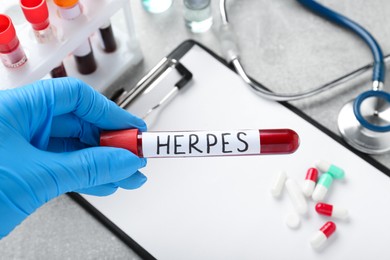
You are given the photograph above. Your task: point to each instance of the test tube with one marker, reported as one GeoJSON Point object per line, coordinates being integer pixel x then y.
{"type": "Point", "coordinates": [37, 13]}
{"type": "Point", "coordinates": [11, 52]}
{"type": "Point", "coordinates": [202, 143]}
{"type": "Point", "coordinates": [107, 37]}
{"type": "Point", "coordinates": [85, 60]}
{"type": "Point", "coordinates": [68, 9]}
{"type": "Point", "coordinates": [84, 57]}
{"type": "Point", "coordinates": [59, 71]}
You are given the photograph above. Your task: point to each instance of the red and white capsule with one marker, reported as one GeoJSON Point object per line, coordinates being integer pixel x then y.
{"type": "Point", "coordinates": [322, 235]}
{"type": "Point", "coordinates": [310, 182]}
{"type": "Point", "coordinates": [331, 210]}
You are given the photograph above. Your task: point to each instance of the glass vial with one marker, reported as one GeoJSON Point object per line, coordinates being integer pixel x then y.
{"type": "Point", "coordinates": [85, 60]}
{"type": "Point", "coordinates": [197, 15]}
{"type": "Point", "coordinates": [156, 6]}
{"type": "Point", "coordinates": [11, 52]}
{"type": "Point", "coordinates": [107, 37]}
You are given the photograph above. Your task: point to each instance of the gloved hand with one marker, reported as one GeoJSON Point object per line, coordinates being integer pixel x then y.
{"type": "Point", "coordinates": [48, 131]}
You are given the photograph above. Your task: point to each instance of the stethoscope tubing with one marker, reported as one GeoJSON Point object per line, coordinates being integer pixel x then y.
{"type": "Point", "coordinates": [379, 65]}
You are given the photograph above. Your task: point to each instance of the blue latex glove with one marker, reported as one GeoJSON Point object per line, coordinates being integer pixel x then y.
{"type": "Point", "coordinates": [48, 131]}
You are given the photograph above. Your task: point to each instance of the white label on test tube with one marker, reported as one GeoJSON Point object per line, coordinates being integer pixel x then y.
{"type": "Point", "coordinates": [201, 143]}
{"type": "Point", "coordinates": [83, 49]}
{"type": "Point", "coordinates": [15, 58]}
{"type": "Point", "coordinates": [71, 12]}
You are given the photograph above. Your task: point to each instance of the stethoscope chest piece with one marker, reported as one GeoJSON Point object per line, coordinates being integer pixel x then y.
{"type": "Point", "coordinates": [375, 112]}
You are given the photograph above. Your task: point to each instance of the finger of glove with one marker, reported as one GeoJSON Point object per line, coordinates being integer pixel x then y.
{"type": "Point", "coordinates": [66, 95]}
{"type": "Point", "coordinates": [59, 145]}
{"type": "Point", "coordinates": [133, 182]}
{"type": "Point", "coordinates": [92, 167]}
{"type": "Point", "coordinates": [100, 190]}
{"type": "Point", "coordinates": [69, 125]}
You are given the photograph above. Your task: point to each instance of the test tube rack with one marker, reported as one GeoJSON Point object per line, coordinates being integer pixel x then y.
{"type": "Point", "coordinates": [42, 58]}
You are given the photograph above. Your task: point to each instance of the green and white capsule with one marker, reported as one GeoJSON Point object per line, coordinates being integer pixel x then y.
{"type": "Point", "coordinates": [322, 187]}
{"type": "Point", "coordinates": [336, 172]}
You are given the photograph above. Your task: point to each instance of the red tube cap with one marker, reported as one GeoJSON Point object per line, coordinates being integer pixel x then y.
{"type": "Point", "coordinates": [126, 139]}
{"type": "Point", "coordinates": [36, 13]}
{"type": "Point", "coordinates": [8, 39]}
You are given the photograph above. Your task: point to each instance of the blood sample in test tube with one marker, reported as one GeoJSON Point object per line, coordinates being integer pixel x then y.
{"type": "Point", "coordinates": [85, 60]}
{"type": "Point", "coordinates": [59, 71]}
{"type": "Point", "coordinates": [203, 143]}
{"type": "Point", "coordinates": [84, 57]}
{"type": "Point", "coordinates": [37, 14]}
{"type": "Point", "coordinates": [107, 37]}
{"type": "Point", "coordinates": [11, 52]}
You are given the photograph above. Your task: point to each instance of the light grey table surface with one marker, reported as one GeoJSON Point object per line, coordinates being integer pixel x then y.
{"type": "Point", "coordinates": [282, 46]}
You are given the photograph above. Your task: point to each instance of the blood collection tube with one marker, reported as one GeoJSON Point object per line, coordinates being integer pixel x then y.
{"type": "Point", "coordinates": [37, 13]}
{"type": "Point", "coordinates": [11, 52]}
{"type": "Point", "coordinates": [84, 57]}
{"type": "Point", "coordinates": [107, 37]}
{"type": "Point", "coordinates": [68, 9]}
{"type": "Point", "coordinates": [203, 143]}
{"type": "Point", "coordinates": [85, 60]}
{"type": "Point", "coordinates": [59, 71]}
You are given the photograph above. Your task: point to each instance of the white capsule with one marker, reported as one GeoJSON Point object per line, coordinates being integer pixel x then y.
{"type": "Point", "coordinates": [331, 210]}
{"type": "Point", "coordinates": [319, 193]}
{"type": "Point", "coordinates": [296, 196]}
{"type": "Point", "coordinates": [322, 187]}
{"type": "Point", "coordinates": [308, 187]}
{"type": "Point", "coordinates": [278, 184]}
{"type": "Point", "coordinates": [322, 235]}
{"type": "Point", "coordinates": [340, 213]}
{"type": "Point", "coordinates": [318, 239]}
{"type": "Point", "coordinates": [310, 181]}
{"type": "Point", "coordinates": [335, 171]}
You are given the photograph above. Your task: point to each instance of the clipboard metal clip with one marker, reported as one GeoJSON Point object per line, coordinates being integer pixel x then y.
{"type": "Point", "coordinates": [149, 81]}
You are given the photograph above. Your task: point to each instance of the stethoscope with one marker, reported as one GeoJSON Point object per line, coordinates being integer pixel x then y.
{"type": "Point", "coordinates": [363, 122]}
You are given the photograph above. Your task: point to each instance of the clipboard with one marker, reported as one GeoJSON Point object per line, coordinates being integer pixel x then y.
{"type": "Point", "coordinates": [222, 208]}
